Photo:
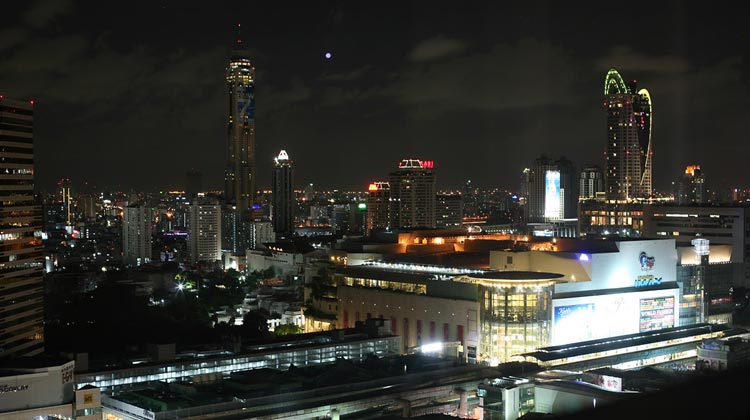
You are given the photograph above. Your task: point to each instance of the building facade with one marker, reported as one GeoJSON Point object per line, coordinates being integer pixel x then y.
{"type": "Point", "coordinates": [449, 211]}
{"type": "Point", "coordinates": [240, 171]}
{"type": "Point", "coordinates": [590, 182]}
{"type": "Point", "coordinates": [204, 231]}
{"type": "Point", "coordinates": [378, 206]}
{"type": "Point", "coordinates": [629, 147]}
{"type": "Point", "coordinates": [692, 186]}
{"type": "Point", "coordinates": [283, 199]}
{"type": "Point", "coordinates": [136, 235]}
{"type": "Point", "coordinates": [21, 264]}
{"type": "Point", "coordinates": [412, 189]}
{"type": "Point", "coordinates": [552, 191]}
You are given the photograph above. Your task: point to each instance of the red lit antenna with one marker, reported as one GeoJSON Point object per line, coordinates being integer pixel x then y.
{"type": "Point", "coordinates": [239, 38]}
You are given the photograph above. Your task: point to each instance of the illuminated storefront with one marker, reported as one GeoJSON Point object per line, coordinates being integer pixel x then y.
{"type": "Point", "coordinates": [515, 312]}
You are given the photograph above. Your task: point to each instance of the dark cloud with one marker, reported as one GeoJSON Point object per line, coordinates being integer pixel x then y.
{"type": "Point", "coordinates": [44, 11]}
{"type": "Point", "coordinates": [626, 59]}
{"type": "Point", "coordinates": [436, 48]}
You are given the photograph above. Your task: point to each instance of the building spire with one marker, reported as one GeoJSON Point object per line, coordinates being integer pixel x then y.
{"type": "Point", "coordinates": [239, 37]}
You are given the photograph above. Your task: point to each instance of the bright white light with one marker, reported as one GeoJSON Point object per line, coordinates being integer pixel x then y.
{"type": "Point", "coordinates": [432, 347]}
{"type": "Point", "coordinates": [180, 286]}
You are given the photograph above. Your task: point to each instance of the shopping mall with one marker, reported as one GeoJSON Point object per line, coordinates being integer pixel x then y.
{"type": "Point", "coordinates": [565, 291]}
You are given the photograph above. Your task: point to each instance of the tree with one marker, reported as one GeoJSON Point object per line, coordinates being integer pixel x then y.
{"type": "Point", "coordinates": [288, 329]}
{"type": "Point", "coordinates": [254, 324]}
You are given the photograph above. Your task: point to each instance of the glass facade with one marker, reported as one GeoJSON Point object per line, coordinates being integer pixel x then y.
{"type": "Point", "coordinates": [514, 320]}
{"type": "Point", "coordinates": [21, 259]}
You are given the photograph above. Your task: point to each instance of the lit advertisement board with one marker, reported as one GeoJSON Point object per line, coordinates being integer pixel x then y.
{"type": "Point", "coordinates": [574, 321]}
{"type": "Point", "coordinates": [552, 195]}
{"type": "Point", "coordinates": [656, 313]}
{"type": "Point", "coordinates": [600, 316]}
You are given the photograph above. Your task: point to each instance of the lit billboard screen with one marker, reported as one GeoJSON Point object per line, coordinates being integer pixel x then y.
{"type": "Point", "coordinates": [600, 316]}
{"type": "Point", "coordinates": [573, 322]}
{"type": "Point", "coordinates": [552, 195]}
{"type": "Point", "coordinates": [656, 313]}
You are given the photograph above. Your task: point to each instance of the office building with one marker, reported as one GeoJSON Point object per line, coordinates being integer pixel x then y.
{"type": "Point", "coordinates": [240, 172]}
{"type": "Point", "coordinates": [552, 191]}
{"type": "Point", "coordinates": [21, 294]}
{"type": "Point", "coordinates": [67, 200]}
{"type": "Point", "coordinates": [378, 206]}
{"type": "Point", "coordinates": [629, 147]}
{"type": "Point", "coordinates": [692, 186]}
{"type": "Point", "coordinates": [204, 231]}
{"type": "Point", "coordinates": [590, 183]}
{"type": "Point", "coordinates": [449, 211]}
{"type": "Point", "coordinates": [260, 232]}
{"type": "Point", "coordinates": [721, 225]}
{"type": "Point", "coordinates": [136, 234]}
{"type": "Point", "coordinates": [283, 201]}
{"type": "Point", "coordinates": [412, 189]}
{"type": "Point", "coordinates": [233, 236]}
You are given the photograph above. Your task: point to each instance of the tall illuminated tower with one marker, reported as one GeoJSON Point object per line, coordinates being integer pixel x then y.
{"type": "Point", "coordinates": [629, 149]}
{"type": "Point", "coordinates": [239, 174]}
{"type": "Point", "coordinates": [21, 286]}
{"type": "Point", "coordinates": [283, 195]}
{"type": "Point", "coordinates": [412, 189]}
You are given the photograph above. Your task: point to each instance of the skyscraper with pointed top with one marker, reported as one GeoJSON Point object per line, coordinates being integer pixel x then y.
{"type": "Point", "coordinates": [629, 149]}
{"type": "Point", "coordinates": [240, 172]}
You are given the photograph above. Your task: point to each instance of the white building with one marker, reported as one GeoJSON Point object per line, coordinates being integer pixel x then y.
{"type": "Point", "coordinates": [609, 288]}
{"type": "Point", "coordinates": [204, 231]}
{"type": "Point", "coordinates": [136, 235]}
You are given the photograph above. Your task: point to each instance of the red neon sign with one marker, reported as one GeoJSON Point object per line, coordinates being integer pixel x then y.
{"type": "Point", "coordinates": [427, 164]}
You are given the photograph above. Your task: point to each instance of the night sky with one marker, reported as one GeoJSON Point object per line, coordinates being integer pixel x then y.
{"type": "Point", "coordinates": [132, 94]}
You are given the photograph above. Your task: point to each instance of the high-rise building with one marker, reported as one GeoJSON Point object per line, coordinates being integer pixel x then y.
{"type": "Point", "coordinates": [66, 199]}
{"type": "Point", "coordinates": [283, 195]}
{"type": "Point", "coordinates": [692, 187]}
{"type": "Point", "coordinates": [590, 183]}
{"type": "Point", "coordinates": [449, 211]}
{"type": "Point", "coordinates": [239, 175]}
{"type": "Point", "coordinates": [413, 194]}
{"type": "Point", "coordinates": [21, 286]}
{"type": "Point", "coordinates": [260, 232]}
{"type": "Point", "coordinates": [378, 206]}
{"type": "Point", "coordinates": [551, 190]}
{"type": "Point", "coordinates": [629, 148]}
{"type": "Point", "coordinates": [204, 230]}
{"type": "Point", "coordinates": [136, 234]}
{"type": "Point", "coordinates": [233, 236]}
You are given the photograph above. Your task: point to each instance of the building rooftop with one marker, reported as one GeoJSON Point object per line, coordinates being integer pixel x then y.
{"type": "Point", "coordinates": [546, 354]}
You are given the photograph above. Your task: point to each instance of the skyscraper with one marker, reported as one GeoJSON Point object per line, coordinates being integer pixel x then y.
{"type": "Point", "coordinates": [21, 287]}
{"type": "Point", "coordinates": [629, 149]}
{"type": "Point", "coordinates": [239, 174]}
{"type": "Point", "coordinates": [378, 206]}
{"type": "Point", "coordinates": [136, 234]}
{"type": "Point", "coordinates": [204, 230]}
{"type": "Point", "coordinates": [692, 187]}
{"type": "Point", "coordinates": [413, 194]}
{"type": "Point", "coordinates": [66, 199]}
{"type": "Point", "coordinates": [283, 195]}
{"type": "Point", "coordinates": [551, 190]}
{"type": "Point", "coordinates": [590, 183]}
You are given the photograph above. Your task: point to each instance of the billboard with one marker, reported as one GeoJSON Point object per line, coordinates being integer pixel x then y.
{"type": "Point", "coordinates": [552, 199]}
{"type": "Point", "coordinates": [573, 322]}
{"type": "Point", "coordinates": [656, 313]}
{"type": "Point", "coordinates": [607, 315]}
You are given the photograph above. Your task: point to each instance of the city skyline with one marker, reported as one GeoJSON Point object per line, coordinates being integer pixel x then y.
{"type": "Point", "coordinates": [119, 100]}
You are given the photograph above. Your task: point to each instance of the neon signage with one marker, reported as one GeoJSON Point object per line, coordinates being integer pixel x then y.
{"type": "Point", "coordinates": [646, 281]}
{"type": "Point", "coordinates": [416, 164]}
